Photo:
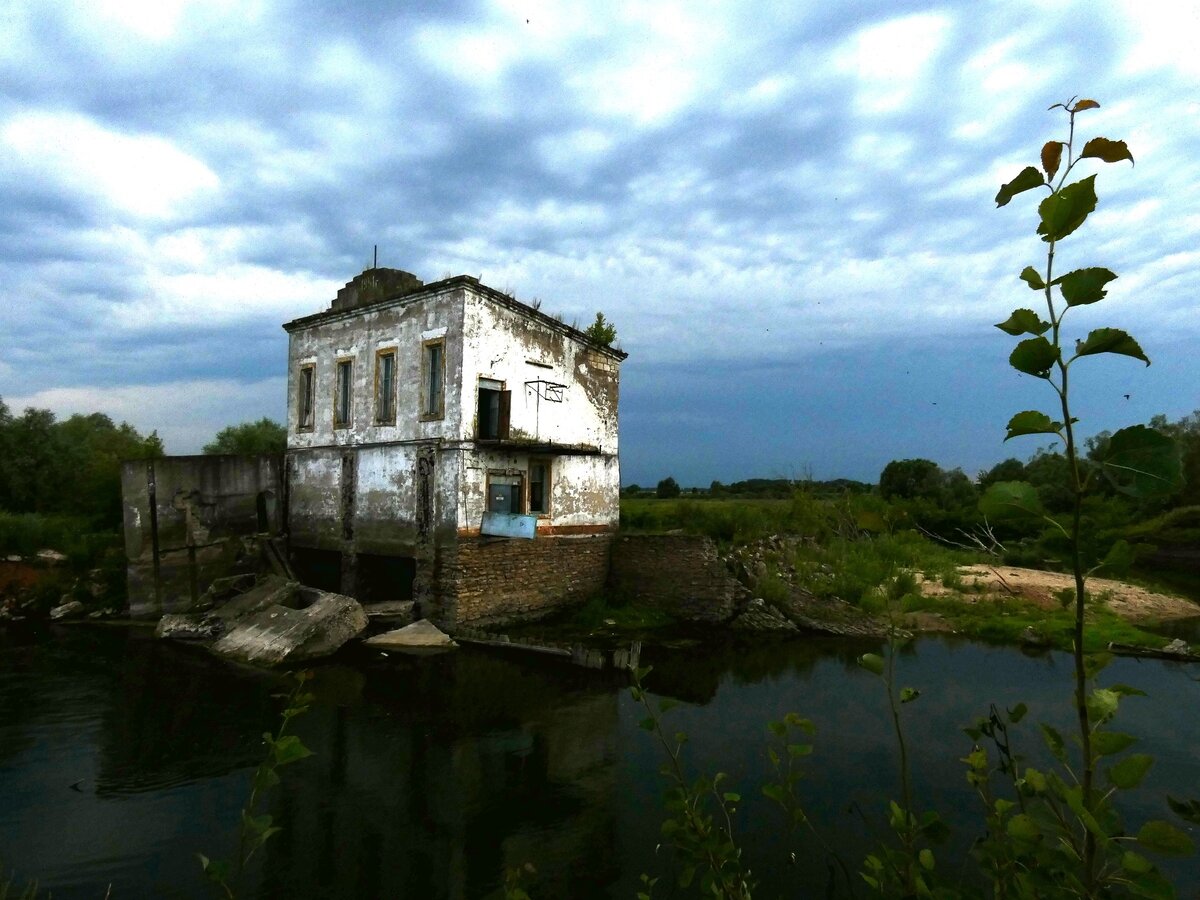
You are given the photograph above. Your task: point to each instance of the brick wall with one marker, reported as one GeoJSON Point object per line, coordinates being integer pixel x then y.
{"type": "Point", "coordinates": [486, 581]}
{"type": "Point", "coordinates": [679, 573]}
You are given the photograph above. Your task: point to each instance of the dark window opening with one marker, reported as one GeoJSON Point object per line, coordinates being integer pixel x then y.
{"type": "Point", "coordinates": [305, 411]}
{"type": "Point", "coordinates": [495, 405]}
{"type": "Point", "coordinates": [381, 579]}
{"type": "Point", "coordinates": [539, 487]}
{"type": "Point", "coordinates": [321, 569]}
{"type": "Point", "coordinates": [433, 401]}
{"type": "Point", "coordinates": [341, 403]}
{"type": "Point", "coordinates": [385, 387]}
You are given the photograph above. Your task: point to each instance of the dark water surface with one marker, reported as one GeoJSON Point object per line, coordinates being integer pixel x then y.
{"type": "Point", "coordinates": [122, 757]}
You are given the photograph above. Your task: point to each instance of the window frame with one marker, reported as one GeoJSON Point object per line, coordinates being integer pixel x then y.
{"type": "Point", "coordinates": [348, 362]}
{"type": "Point", "coordinates": [503, 410]}
{"type": "Point", "coordinates": [306, 397]}
{"type": "Point", "coordinates": [429, 412]}
{"type": "Point", "coordinates": [390, 400]}
{"type": "Point", "coordinates": [547, 464]}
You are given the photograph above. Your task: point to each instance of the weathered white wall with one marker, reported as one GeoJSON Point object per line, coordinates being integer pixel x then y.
{"type": "Point", "coordinates": [584, 490]}
{"type": "Point", "coordinates": [358, 334]}
{"type": "Point", "coordinates": [502, 344]}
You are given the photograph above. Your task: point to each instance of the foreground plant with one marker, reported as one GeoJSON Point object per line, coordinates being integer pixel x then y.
{"type": "Point", "coordinates": [1062, 833]}
{"type": "Point", "coordinates": [254, 829]}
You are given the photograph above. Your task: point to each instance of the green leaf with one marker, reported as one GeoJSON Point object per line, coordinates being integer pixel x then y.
{"type": "Point", "coordinates": [1103, 148]}
{"type": "Point", "coordinates": [1053, 740]}
{"type": "Point", "coordinates": [1023, 828]}
{"type": "Point", "coordinates": [1033, 278]}
{"type": "Point", "coordinates": [1023, 321]}
{"type": "Point", "coordinates": [1084, 286]}
{"type": "Point", "coordinates": [1084, 104]}
{"type": "Point", "coordinates": [1034, 356]}
{"type": "Point", "coordinates": [1035, 780]}
{"type": "Point", "coordinates": [1130, 771]}
{"type": "Point", "coordinates": [1188, 810]}
{"type": "Point", "coordinates": [1017, 713]}
{"type": "Point", "coordinates": [290, 749]}
{"type": "Point", "coordinates": [1142, 462]}
{"type": "Point", "coordinates": [1108, 743]}
{"type": "Point", "coordinates": [1028, 179]}
{"type": "Point", "coordinates": [1164, 838]}
{"type": "Point", "coordinates": [1135, 863]}
{"type": "Point", "coordinates": [646, 724]}
{"type": "Point", "coordinates": [925, 858]}
{"type": "Point", "coordinates": [1032, 422]}
{"type": "Point", "coordinates": [731, 797]}
{"type": "Point", "coordinates": [1051, 157]}
{"type": "Point", "coordinates": [1009, 500]}
{"type": "Point", "coordinates": [1110, 340]}
{"type": "Point", "coordinates": [1102, 704]}
{"type": "Point", "coordinates": [872, 662]}
{"type": "Point", "coordinates": [908, 695]}
{"type": "Point", "coordinates": [1065, 210]}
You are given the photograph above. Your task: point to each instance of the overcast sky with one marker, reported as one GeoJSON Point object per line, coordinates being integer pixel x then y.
{"type": "Point", "coordinates": [785, 208]}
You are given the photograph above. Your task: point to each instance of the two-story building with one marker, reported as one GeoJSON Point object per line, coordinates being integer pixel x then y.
{"type": "Point", "coordinates": [449, 444]}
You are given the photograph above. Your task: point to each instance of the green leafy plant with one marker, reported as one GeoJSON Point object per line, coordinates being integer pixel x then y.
{"type": "Point", "coordinates": [699, 823]}
{"type": "Point", "coordinates": [1064, 834]}
{"type": "Point", "coordinates": [255, 828]}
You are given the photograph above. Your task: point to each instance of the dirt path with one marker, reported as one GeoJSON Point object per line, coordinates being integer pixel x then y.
{"type": "Point", "coordinates": [1126, 600]}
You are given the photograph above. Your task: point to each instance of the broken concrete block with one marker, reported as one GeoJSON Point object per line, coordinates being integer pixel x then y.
{"type": "Point", "coordinates": [420, 635]}
{"type": "Point", "coordinates": [396, 613]}
{"type": "Point", "coordinates": [278, 635]}
{"type": "Point", "coordinates": [71, 610]}
{"type": "Point", "coordinates": [184, 627]}
{"type": "Point", "coordinates": [51, 557]}
{"type": "Point", "coordinates": [271, 591]}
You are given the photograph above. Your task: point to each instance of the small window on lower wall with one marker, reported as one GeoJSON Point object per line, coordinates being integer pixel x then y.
{"type": "Point", "coordinates": [504, 494]}
{"type": "Point", "coordinates": [539, 486]}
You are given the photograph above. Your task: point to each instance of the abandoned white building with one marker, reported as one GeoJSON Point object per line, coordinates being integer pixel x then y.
{"type": "Point", "coordinates": [449, 444]}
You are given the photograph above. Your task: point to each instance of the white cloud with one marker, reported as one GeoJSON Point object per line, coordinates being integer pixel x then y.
{"type": "Point", "coordinates": [890, 60]}
{"type": "Point", "coordinates": [143, 175]}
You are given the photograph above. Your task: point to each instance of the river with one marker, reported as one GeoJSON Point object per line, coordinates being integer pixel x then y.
{"type": "Point", "coordinates": [122, 757]}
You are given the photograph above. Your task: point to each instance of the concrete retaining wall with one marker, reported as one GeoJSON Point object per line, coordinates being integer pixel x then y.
{"type": "Point", "coordinates": [679, 573]}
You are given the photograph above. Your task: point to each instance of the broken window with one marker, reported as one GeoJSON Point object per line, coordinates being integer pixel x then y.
{"type": "Point", "coordinates": [504, 493]}
{"type": "Point", "coordinates": [385, 387]}
{"type": "Point", "coordinates": [304, 406]}
{"type": "Point", "coordinates": [495, 404]}
{"type": "Point", "coordinates": [539, 486]}
{"type": "Point", "coordinates": [433, 379]}
{"type": "Point", "coordinates": [342, 393]}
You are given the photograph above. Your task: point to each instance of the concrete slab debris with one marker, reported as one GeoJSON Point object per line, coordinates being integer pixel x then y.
{"type": "Point", "coordinates": [278, 635]}
{"type": "Point", "coordinates": [420, 635]}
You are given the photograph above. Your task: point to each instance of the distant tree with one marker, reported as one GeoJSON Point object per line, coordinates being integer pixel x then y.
{"type": "Point", "coordinates": [1011, 469]}
{"type": "Point", "coordinates": [633, 490]}
{"type": "Point", "coordinates": [911, 479]}
{"type": "Point", "coordinates": [716, 489]}
{"type": "Point", "coordinates": [667, 489]}
{"type": "Point", "coordinates": [601, 331]}
{"type": "Point", "coordinates": [250, 438]}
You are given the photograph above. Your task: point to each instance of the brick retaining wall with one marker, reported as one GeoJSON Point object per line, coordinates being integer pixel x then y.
{"type": "Point", "coordinates": [679, 573]}
{"type": "Point", "coordinates": [486, 581]}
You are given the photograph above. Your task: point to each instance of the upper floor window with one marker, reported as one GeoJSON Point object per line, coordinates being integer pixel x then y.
{"type": "Point", "coordinates": [385, 387]}
{"type": "Point", "coordinates": [304, 397]}
{"type": "Point", "coordinates": [433, 375]}
{"type": "Point", "coordinates": [342, 393]}
{"type": "Point", "coordinates": [494, 408]}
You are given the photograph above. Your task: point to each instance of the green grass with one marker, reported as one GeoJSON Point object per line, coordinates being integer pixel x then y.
{"type": "Point", "coordinates": [1006, 620]}
{"type": "Point", "coordinates": [601, 610]}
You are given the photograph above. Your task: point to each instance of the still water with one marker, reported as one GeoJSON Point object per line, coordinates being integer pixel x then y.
{"type": "Point", "coordinates": [122, 757]}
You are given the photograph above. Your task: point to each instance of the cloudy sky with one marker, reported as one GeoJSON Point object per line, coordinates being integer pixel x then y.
{"type": "Point", "coordinates": [786, 208]}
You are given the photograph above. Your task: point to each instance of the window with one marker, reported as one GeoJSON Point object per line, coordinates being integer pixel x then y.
{"type": "Point", "coordinates": [495, 404]}
{"type": "Point", "coordinates": [342, 393]}
{"type": "Point", "coordinates": [539, 486]}
{"type": "Point", "coordinates": [385, 387]}
{"type": "Point", "coordinates": [304, 398]}
{"type": "Point", "coordinates": [504, 493]}
{"type": "Point", "coordinates": [433, 370]}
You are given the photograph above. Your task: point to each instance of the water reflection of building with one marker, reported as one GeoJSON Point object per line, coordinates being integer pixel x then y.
{"type": "Point", "coordinates": [447, 776]}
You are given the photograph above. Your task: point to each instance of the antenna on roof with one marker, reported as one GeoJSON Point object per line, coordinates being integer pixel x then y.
{"type": "Point", "coordinates": [375, 265]}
